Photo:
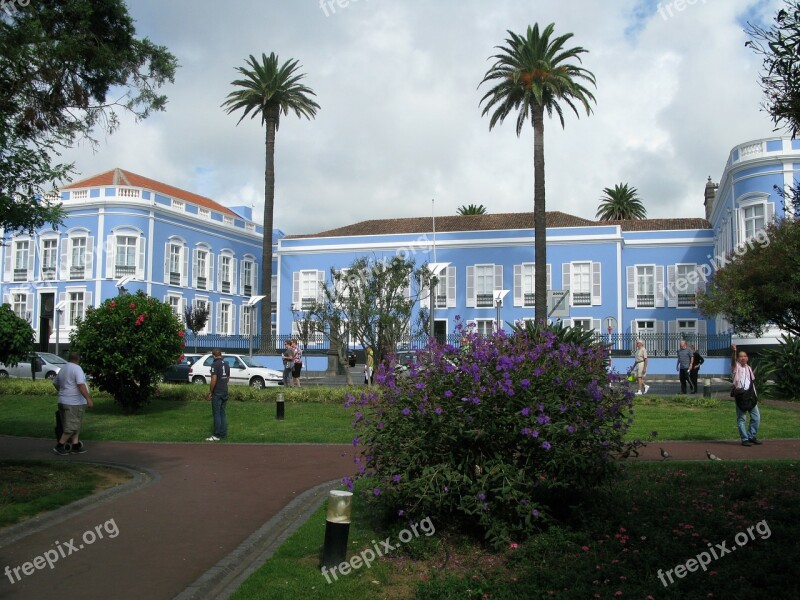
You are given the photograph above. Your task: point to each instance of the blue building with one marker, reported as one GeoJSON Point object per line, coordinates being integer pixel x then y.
{"type": "Point", "coordinates": [125, 230]}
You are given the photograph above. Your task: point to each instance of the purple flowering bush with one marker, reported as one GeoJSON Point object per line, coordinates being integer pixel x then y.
{"type": "Point", "coordinates": [497, 436]}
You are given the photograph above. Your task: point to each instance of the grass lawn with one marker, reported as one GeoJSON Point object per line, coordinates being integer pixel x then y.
{"type": "Point", "coordinates": [182, 421]}
{"type": "Point", "coordinates": [658, 517]}
{"type": "Point", "coordinates": [31, 487]}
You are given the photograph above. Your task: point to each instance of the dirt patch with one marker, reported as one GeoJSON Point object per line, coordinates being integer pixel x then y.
{"type": "Point", "coordinates": [110, 477]}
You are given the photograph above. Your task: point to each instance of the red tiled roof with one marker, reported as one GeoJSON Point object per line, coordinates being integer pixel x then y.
{"type": "Point", "coordinates": [121, 177]}
{"type": "Point", "coordinates": [496, 222]}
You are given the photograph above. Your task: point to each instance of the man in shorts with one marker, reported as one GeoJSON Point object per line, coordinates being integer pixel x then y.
{"type": "Point", "coordinates": [640, 367]}
{"type": "Point", "coordinates": [73, 398]}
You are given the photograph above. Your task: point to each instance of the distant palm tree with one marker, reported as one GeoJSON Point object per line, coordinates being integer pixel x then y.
{"type": "Point", "coordinates": [266, 91]}
{"type": "Point", "coordinates": [533, 73]}
{"type": "Point", "coordinates": [472, 209]}
{"type": "Point", "coordinates": [620, 204]}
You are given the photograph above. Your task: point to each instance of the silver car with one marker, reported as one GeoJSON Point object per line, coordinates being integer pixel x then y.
{"type": "Point", "coordinates": [244, 371]}
{"type": "Point", "coordinates": [48, 367]}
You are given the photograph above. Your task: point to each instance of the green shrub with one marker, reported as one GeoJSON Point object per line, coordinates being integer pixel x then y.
{"type": "Point", "coordinates": [16, 337]}
{"type": "Point", "coordinates": [126, 344]}
{"type": "Point", "coordinates": [239, 393]}
{"type": "Point", "coordinates": [496, 437]}
{"type": "Point", "coordinates": [40, 387]}
{"type": "Point", "coordinates": [779, 365]}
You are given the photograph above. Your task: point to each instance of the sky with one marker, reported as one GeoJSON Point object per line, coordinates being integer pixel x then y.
{"type": "Point", "coordinates": [400, 132]}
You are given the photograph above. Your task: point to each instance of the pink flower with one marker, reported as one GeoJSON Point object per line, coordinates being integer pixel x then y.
{"type": "Point", "coordinates": [514, 545]}
{"type": "Point", "coordinates": [133, 305]}
{"type": "Point", "coordinates": [113, 304]}
{"type": "Point", "coordinates": [181, 333]}
{"type": "Point", "coordinates": [585, 548]}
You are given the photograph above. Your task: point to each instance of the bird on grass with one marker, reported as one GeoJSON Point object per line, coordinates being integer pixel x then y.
{"type": "Point", "coordinates": [712, 456]}
{"type": "Point", "coordinates": [664, 454]}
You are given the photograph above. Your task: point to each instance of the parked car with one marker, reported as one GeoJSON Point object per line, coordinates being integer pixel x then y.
{"type": "Point", "coordinates": [244, 371]}
{"type": "Point", "coordinates": [179, 372]}
{"type": "Point", "coordinates": [48, 367]}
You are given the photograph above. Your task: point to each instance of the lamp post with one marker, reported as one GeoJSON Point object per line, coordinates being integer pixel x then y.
{"type": "Point", "coordinates": [337, 528]}
{"type": "Point", "coordinates": [498, 301]}
{"type": "Point", "coordinates": [435, 269]}
{"type": "Point", "coordinates": [611, 324]}
{"type": "Point", "coordinates": [251, 306]}
{"type": "Point", "coordinates": [59, 309]}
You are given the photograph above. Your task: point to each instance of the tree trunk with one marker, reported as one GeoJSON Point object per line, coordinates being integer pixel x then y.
{"type": "Point", "coordinates": [267, 345]}
{"type": "Point", "coordinates": [539, 216]}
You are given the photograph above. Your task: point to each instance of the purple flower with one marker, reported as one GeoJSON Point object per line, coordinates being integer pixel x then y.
{"type": "Point", "coordinates": [525, 411]}
{"type": "Point", "coordinates": [448, 394]}
{"type": "Point", "coordinates": [481, 496]}
{"type": "Point", "coordinates": [571, 429]}
{"type": "Point", "coordinates": [562, 408]}
{"type": "Point", "coordinates": [438, 410]}
{"type": "Point", "coordinates": [376, 491]}
{"type": "Point", "coordinates": [525, 384]}
{"type": "Point", "coordinates": [535, 512]}
{"type": "Point", "coordinates": [396, 478]}
{"type": "Point", "coordinates": [406, 411]}
{"type": "Point", "coordinates": [546, 445]}
{"type": "Point", "coordinates": [356, 441]}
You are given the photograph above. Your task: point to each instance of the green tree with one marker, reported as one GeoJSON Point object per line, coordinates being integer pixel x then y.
{"type": "Point", "coordinates": [759, 283]}
{"type": "Point", "coordinates": [534, 73]}
{"type": "Point", "coordinates": [472, 209]}
{"type": "Point", "coordinates": [372, 300]}
{"type": "Point", "coordinates": [65, 66]}
{"type": "Point", "coordinates": [16, 337]}
{"type": "Point", "coordinates": [779, 46]}
{"type": "Point", "coordinates": [126, 344]}
{"type": "Point", "coordinates": [268, 90]}
{"type": "Point", "coordinates": [620, 203]}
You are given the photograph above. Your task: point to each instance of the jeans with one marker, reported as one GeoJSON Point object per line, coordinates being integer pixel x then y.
{"type": "Point", "coordinates": [755, 419]}
{"type": "Point", "coordinates": [287, 376]}
{"type": "Point", "coordinates": [218, 402]}
{"type": "Point", "coordinates": [693, 375]}
{"type": "Point", "coordinates": [684, 379]}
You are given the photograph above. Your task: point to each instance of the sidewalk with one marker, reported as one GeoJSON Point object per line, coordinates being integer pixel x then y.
{"type": "Point", "coordinates": [201, 517]}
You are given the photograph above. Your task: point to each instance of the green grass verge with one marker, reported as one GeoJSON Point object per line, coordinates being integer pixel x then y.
{"type": "Point", "coordinates": [659, 516]}
{"type": "Point", "coordinates": [183, 421]}
{"type": "Point", "coordinates": [31, 487]}
{"type": "Point", "coordinates": [682, 418]}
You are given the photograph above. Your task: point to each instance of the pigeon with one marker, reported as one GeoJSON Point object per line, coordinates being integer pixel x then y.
{"type": "Point", "coordinates": [664, 454]}
{"type": "Point", "coordinates": [712, 456]}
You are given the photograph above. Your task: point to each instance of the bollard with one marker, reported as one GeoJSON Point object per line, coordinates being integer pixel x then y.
{"type": "Point", "coordinates": [337, 528]}
{"type": "Point", "coordinates": [279, 404]}
{"type": "Point", "coordinates": [706, 388]}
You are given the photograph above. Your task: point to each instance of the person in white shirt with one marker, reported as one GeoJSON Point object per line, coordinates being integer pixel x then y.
{"type": "Point", "coordinates": [743, 380]}
{"type": "Point", "coordinates": [73, 398]}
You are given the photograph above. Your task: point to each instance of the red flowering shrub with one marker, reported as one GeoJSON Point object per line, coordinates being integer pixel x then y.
{"type": "Point", "coordinates": [126, 344]}
{"type": "Point", "coordinates": [497, 436]}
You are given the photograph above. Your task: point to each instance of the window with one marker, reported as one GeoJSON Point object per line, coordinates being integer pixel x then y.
{"type": "Point", "coordinates": [306, 289]}
{"type": "Point", "coordinates": [49, 258]}
{"type": "Point", "coordinates": [75, 307]}
{"type": "Point", "coordinates": [245, 317]}
{"type": "Point", "coordinates": [651, 332]}
{"type": "Point", "coordinates": [125, 262]}
{"type": "Point", "coordinates": [582, 279]}
{"type": "Point", "coordinates": [683, 283]}
{"type": "Point", "coordinates": [483, 326]}
{"type": "Point", "coordinates": [176, 267]}
{"type": "Point", "coordinates": [203, 264]}
{"type": "Point", "coordinates": [691, 330]}
{"type": "Point", "coordinates": [587, 324]}
{"type": "Point", "coordinates": [225, 316]}
{"type": "Point", "coordinates": [753, 217]}
{"type": "Point", "coordinates": [645, 285]}
{"type": "Point", "coordinates": [248, 273]}
{"type": "Point", "coordinates": [199, 303]}
{"type": "Point", "coordinates": [77, 258]}
{"type": "Point", "coordinates": [274, 294]}
{"type": "Point", "coordinates": [19, 304]}
{"type": "Point", "coordinates": [177, 304]}
{"type": "Point", "coordinates": [21, 255]}
{"type": "Point", "coordinates": [444, 292]}
{"type": "Point", "coordinates": [227, 273]}
{"type": "Point", "coordinates": [308, 332]}
{"type": "Point", "coordinates": [482, 281]}
{"type": "Point", "coordinates": [753, 220]}
{"type": "Point", "coordinates": [525, 284]}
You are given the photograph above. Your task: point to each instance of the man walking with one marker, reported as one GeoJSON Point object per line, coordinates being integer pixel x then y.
{"type": "Point", "coordinates": [288, 362]}
{"type": "Point", "coordinates": [218, 394]}
{"type": "Point", "coordinates": [73, 398]}
{"type": "Point", "coordinates": [684, 365]}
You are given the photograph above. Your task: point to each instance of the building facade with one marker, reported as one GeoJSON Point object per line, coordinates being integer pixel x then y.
{"type": "Point", "coordinates": [124, 230]}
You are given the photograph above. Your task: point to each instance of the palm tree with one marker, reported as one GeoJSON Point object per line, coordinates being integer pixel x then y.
{"type": "Point", "coordinates": [268, 90]}
{"type": "Point", "coordinates": [534, 73]}
{"type": "Point", "coordinates": [472, 209]}
{"type": "Point", "coordinates": [620, 203]}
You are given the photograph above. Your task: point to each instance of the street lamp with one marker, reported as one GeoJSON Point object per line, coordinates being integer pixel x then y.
{"type": "Point", "coordinates": [59, 309]}
{"type": "Point", "coordinates": [121, 284]}
{"type": "Point", "coordinates": [498, 301]}
{"type": "Point", "coordinates": [251, 306]}
{"type": "Point", "coordinates": [435, 269]}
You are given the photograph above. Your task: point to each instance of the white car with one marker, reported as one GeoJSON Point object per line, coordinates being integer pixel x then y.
{"type": "Point", "coordinates": [50, 366]}
{"type": "Point", "coordinates": [244, 371]}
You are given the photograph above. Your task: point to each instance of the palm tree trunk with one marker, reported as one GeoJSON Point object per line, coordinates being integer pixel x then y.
{"type": "Point", "coordinates": [267, 345]}
{"type": "Point", "coordinates": [539, 216]}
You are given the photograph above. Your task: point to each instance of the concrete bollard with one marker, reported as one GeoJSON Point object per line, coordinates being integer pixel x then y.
{"type": "Point", "coordinates": [337, 528]}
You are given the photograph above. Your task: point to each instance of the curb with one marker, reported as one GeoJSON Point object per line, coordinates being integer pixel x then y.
{"type": "Point", "coordinates": [224, 578]}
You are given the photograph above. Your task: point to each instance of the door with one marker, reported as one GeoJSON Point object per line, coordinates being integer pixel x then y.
{"type": "Point", "coordinates": [239, 374]}
{"type": "Point", "coordinates": [46, 307]}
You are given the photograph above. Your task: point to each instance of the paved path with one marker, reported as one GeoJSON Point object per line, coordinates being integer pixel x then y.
{"type": "Point", "coordinates": [196, 505]}
{"type": "Point", "coordinates": [200, 517]}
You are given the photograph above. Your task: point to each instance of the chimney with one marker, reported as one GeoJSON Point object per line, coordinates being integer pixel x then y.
{"type": "Point", "coordinates": [710, 194]}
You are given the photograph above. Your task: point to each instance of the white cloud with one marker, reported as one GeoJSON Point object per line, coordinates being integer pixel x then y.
{"type": "Point", "coordinates": [400, 121]}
